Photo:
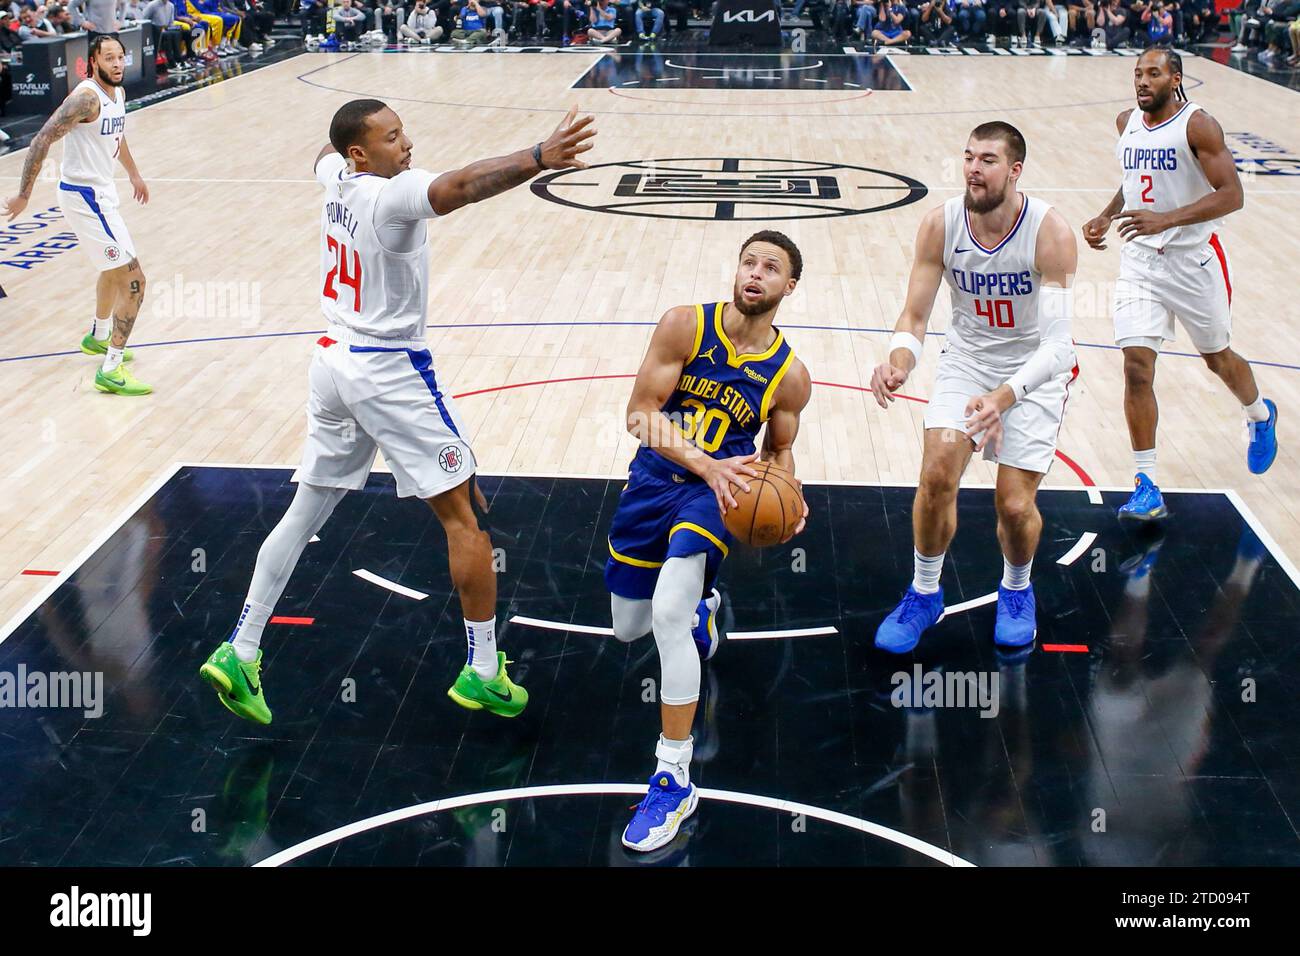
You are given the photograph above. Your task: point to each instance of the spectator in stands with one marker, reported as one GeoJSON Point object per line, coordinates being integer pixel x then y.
{"type": "Point", "coordinates": [170, 36]}
{"type": "Point", "coordinates": [31, 27]}
{"type": "Point", "coordinates": [1248, 23]}
{"type": "Point", "coordinates": [573, 18]}
{"type": "Point", "coordinates": [1294, 30]}
{"type": "Point", "coordinates": [1082, 17]}
{"type": "Point", "coordinates": [258, 22]}
{"type": "Point", "coordinates": [936, 27]}
{"type": "Point", "coordinates": [348, 22]}
{"type": "Point", "coordinates": [130, 11]}
{"type": "Point", "coordinates": [1276, 29]}
{"type": "Point", "coordinates": [645, 9]}
{"type": "Point", "coordinates": [422, 25]}
{"type": "Point", "coordinates": [532, 15]}
{"type": "Point", "coordinates": [1201, 20]}
{"type": "Point", "coordinates": [1007, 19]}
{"type": "Point", "coordinates": [891, 31]}
{"type": "Point", "coordinates": [94, 16]}
{"type": "Point", "coordinates": [1159, 24]}
{"type": "Point", "coordinates": [471, 25]}
{"type": "Point", "coordinates": [971, 18]}
{"type": "Point", "coordinates": [1055, 20]}
{"type": "Point", "coordinates": [1112, 20]}
{"type": "Point", "coordinates": [864, 18]}
{"type": "Point", "coordinates": [60, 20]}
{"type": "Point", "coordinates": [677, 14]}
{"type": "Point", "coordinates": [604, 23]}
{"type": "Point", "coordinates": [313, 16]}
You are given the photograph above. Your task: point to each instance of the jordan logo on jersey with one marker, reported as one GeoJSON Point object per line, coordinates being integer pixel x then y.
{"type": "Point", "coordinates": [709, 354]}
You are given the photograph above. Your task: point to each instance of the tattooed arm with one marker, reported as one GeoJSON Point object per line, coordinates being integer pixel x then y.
{"type": "Point", "coordinates": [488, 177]}
{"type": "Point", "coordinates": [79, 107]}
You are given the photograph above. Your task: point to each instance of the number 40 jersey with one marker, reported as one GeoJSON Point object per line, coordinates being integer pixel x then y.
{"type": "Point", "coordinates": [994, 289]}
{"type": "Point", "coordinates": [374, 254]}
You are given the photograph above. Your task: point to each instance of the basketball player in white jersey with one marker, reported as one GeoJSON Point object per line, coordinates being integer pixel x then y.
{"type": "Point", "coordinates": [1179, 182]}
{"type": "Point", "coordinates": [1003, 375]}
{"type": "Point", "coordinates": [92, 124]}
{"type": "Point", "coordinates": [373, 386]}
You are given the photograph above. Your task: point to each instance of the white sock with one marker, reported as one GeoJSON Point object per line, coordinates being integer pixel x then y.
{"type": "Point", "coordinates": [1146, 463]}
{"type": "Point", "coordinates": [1015, 577]}
{"type": "Point", "coordinates": [247, 636]}
{"type": "Point", "coordinates": [926, 571]}
{"type": "Point", "coordinates": [1138, 586]}
{"type": "Point", "coordinates": [113, 358]}
{"type": "Point", "coordinates": [1256, 411]}
{"type": "Point", "coordinates": [674, 756]}
{"type": "Point", "coordinates": [101, 327]}
{"type": "Point", "coordinates": [482, 638]}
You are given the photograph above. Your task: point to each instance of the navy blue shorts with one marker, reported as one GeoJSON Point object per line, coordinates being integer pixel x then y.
{"type": "Point", "coordinates": [657, 519]}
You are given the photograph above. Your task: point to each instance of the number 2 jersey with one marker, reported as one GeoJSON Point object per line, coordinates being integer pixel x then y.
{"type": "Point", "coordinates": [374, 254]}
{"type": "Point", "coordinates": [994, 290]}
{"type": "Point", "coordinates": [1162, 173]}
{"type": "Point", "coordinates": [722, 397]}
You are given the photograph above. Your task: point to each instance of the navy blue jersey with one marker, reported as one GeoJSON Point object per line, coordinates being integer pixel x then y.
{"type": "Point", "coordinates": [722, 398]}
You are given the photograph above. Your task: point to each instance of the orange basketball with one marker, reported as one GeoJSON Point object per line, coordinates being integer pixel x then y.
{"type": "Point", "coordinates": [769, 512]}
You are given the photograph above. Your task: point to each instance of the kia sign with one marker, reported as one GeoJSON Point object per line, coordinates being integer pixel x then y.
{"type": "Point", "coordinates": [746, 23]}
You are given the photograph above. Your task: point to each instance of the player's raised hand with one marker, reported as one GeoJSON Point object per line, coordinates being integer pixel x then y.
{"type": "Point", "coordinates": [14, 207]}
{"type": "Point", "coordinates": [885, 381]}
{"type": "Point", "coordinates": [561, 150]}
{"type": "Point", "coordinates": [1094, 231]}
{"type": "Point", "coordinates": [1141, 222]}
{"type": "Point", "coordinates": [725, 472]}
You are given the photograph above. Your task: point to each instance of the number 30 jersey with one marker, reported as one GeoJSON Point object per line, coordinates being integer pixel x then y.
{"type": "Point", "coordinates": [994, 289]}
{"type": "Point", "coordinates": [374, 254]}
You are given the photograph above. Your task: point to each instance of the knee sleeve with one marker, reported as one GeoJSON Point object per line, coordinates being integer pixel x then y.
{"type": "Point", "coordinates": [632, 618]}
{"type": "Point", "coordinates": [677, 595]}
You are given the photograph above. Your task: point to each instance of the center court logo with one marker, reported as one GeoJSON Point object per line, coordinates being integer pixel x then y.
{"type": "Point", "coordinates": [730, 189]}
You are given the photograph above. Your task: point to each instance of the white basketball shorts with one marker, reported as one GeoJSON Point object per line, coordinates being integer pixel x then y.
{"type": "Point", "coordinates": [1029, 427]}
{"type": "Point", "coordinates": [1193, 286]}
{"type": "Point", "coordinates": [98, 225]}
{"type": "Point", "coordinates": [364, 398]}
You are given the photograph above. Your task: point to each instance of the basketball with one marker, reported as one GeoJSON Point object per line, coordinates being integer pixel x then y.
{"type": "Point", "coordinates": [770, 511]}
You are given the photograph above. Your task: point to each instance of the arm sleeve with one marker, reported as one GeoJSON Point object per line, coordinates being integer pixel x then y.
{"type": "Point", "coordinates": [329, 167]}
{"type": "Point", "coordinates": [405, 198]}
{"type": "Point", "coordinates": [1055, 352]}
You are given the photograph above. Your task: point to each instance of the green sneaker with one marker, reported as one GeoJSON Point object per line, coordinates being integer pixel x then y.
{"type": "Point", "coordinates": [500, 695]}
{"type": "Point", "coordinates": [120, 382]}
{"type": "Point", "coordinates": [93, 346]}
{"type": "Point", "coordinates": [238, 685]}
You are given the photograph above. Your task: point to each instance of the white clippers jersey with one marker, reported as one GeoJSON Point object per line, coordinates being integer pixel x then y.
{"type": "Point", "coordinates": [1162, 173]}
{"type": "Point", "coordinates": [994, 290]}
{"type": "Point", "coordinates": [90, 149]}
{"type": "Point", "coordinates": [374, 262]}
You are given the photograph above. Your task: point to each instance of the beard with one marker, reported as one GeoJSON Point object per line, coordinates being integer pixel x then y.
{"type": "Point", "coordinates": [1158, 101]}
{"type": "Point", "coordinates": [105, 78]}
{"type": "Point", "coordinates": [766, 304]}
{"type": "Point", "coordinates": [988, 203]}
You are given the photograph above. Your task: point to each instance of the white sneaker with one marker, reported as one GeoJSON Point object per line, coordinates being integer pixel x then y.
{"type": "Point", "coordinates": [1238, 48]}
{"type": "Point", "coordinates": [255, 48]}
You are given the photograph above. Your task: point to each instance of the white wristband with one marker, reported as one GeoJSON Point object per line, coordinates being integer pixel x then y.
{"type": "Point", "coordinates": [906, 340]}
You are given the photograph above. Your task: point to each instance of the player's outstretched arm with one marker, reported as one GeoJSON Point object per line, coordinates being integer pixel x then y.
{"type": "Point", "coordinates": [488, 177]}
{"type": "Point", "coordinates": [79, 107]}
{"type": "Point", "coordinates": [1205, 136]}
{"type": "Point", "coordinates": [909, 334]}
{"type": "Point", "coordinates": [791, 398]}
{"type": "Point", "coordinates": [656, 379]}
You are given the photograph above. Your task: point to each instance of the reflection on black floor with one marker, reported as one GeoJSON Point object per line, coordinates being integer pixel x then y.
{"type": "Point", "coordinates": [1170, 740]}
{"type": "Point", "coordinates": [646, 69]}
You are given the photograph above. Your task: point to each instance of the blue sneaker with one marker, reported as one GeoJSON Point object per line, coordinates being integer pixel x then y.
{"type": "Point", "coordinates": [1146, 503]}
{"type": "Point", "coordinates": [902, 630]}
{"type": "Point", "coordinates": [1263, 441]}
{"type": "Point", "coordinates": [705, 628]}
{"type": "Point", "coordinates": [660, 815]}
{"type": "Point", "coordinates": [1017, 623]}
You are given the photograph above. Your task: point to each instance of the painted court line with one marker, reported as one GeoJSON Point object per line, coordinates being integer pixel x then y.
{"type": "Point", "coordinates": [1080, 546]}
{"type": "Point", "coordinates": [990, 598]}
{"type": "Point", "coordinates": [793, 632]}
{"type": "Point", "coordinates": [609, 631]}
{"type": "Point", "coordinates": [393, 586]}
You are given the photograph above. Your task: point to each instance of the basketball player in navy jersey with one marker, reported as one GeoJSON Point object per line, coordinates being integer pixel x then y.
{"type": "Point", "coordinates": [1003, 377]}
{"type": "Point", "coordinates": [712, 376]}
{"type": "Point", "coordinates": [1179, 182]}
